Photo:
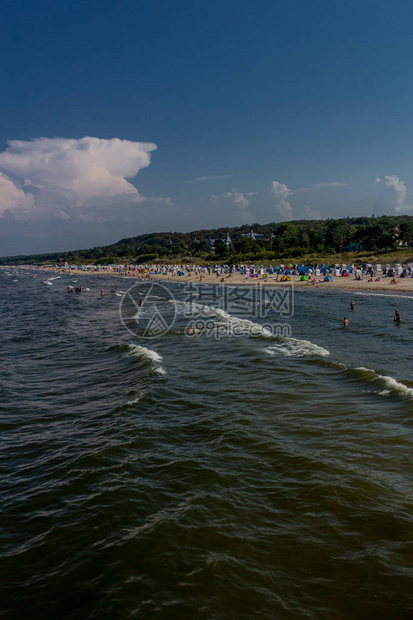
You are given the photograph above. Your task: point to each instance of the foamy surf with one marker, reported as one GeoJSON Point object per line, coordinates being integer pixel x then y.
{"type": "Point", "coordinates": [390, 295]}
{"type": "Point", "coordinates": [148, 355]}
{"type": "Point", "coordinates": [203, 310]}
{"type": "Point", "coordinates": [388, 383]}
{"type": "Point", "coordinates": [293, 347]}
{"type": "Point", "coordinates": [136, 400]}
{"type": "Point", "coordinates": [250, 327]}
{"type": "Point", "coordinates": [135, 350]}
{"type": "Point", "coordinates": [159, 371]}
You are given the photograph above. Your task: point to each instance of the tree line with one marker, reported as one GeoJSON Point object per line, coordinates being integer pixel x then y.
{"type": "Point", "coordinates": [278, 241]}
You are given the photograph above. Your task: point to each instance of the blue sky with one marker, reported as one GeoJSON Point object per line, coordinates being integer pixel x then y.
{"type": "Point", "coordinates": [130, 117]}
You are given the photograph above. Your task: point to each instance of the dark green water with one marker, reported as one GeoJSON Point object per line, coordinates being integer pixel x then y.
{"type": "Point", "coordinates": [239, 477]}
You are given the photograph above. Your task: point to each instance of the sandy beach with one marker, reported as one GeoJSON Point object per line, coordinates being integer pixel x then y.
{"type": "Point", "coordinates": [404, 285]}
{"type": "Point", "coordinates": [347, 284]}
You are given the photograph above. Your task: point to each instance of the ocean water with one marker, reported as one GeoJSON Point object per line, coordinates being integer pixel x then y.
{"type": "Point", "coordinates": [215, 476]}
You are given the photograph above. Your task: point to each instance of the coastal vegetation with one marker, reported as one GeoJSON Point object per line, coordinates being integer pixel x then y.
{"type": "Point", "coordinates": [381, 239]}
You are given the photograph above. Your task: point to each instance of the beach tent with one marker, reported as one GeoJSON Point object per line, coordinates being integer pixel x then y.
{"type": "Point", "coordinates": [344, 274]}
{"type": "Point", "coordinates": [328, 278]}
{"type": "Point", "coordinates": [304, 278]}
{"type": "Point", "coordinates": [286, 279]}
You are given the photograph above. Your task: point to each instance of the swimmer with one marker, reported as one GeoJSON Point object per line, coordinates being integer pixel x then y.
{"type": "Point", "coordinates": [397, 316]}
{"type": "Point", "coordinates": [345, 322]}
{"type": "Point", "coordinates": [352, 305]}
{"type": "Point", "coordinates": [191, 330]}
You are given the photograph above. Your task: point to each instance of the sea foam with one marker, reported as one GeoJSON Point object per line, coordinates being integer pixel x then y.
{"type": "Point", "coordinates": [135, 350]}
{"type": "Point", "coordinates": [388, 383]}
{"type": "Point", "coordinates": [203, 310]}
{"type": "Point", "coordinates": [286, 345]}
{"type": "Point", "coordinates": [294, 347]}
{"type": "Point", "coordinates": [390, 295]}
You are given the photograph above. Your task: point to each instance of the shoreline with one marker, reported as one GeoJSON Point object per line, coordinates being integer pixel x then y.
{"type": "Point", "coordinates": [344, 284]}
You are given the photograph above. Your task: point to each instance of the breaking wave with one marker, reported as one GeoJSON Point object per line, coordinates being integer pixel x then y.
{"type": "Point", "coordinates": [382, 295]}
{"type": "Point", "coordinates": [389, 384]}
{"type": "Point", "coordinates": [159, 371]}
{"type": "Point", "coordinates": [200, 310]}
{"type": "Point", "coordinates": [136, 350]}
{"type": "Point", "coordinates": [294, 347]}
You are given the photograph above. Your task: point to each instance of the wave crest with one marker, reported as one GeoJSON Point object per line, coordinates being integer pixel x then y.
{"type": "Point", "coordinates": [136, 350]}
{"type": "Point", "coordinates": [293, 347]}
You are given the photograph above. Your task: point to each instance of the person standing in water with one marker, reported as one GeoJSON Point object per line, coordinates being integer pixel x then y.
{"type": "Point", "coordinates": [345, 322]}
{"type": "Point", "coordinates": [397, 316]}
{"type": "Point", "coordinates": [352, 305]}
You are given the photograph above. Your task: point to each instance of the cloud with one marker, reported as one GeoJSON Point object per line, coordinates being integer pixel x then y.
{"type": "Point", "coordinates": [13, 198]}
{"type": "Point", "coordinates": [395, 192]}
{"type": "Point", "coordinates": [52, 175]}
{"type": "Point", "coordinates": [238, 199]}
{"type": "Point", "coordinates": [61, 215]}
{"type": "Point", "coordinates": [281, 193]}
{"type": "Point", "coordinates": [311, 214]}
{"type": "Point", "coordinates": [208, 178]}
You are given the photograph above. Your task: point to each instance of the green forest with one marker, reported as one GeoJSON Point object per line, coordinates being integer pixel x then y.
{"type": "Point", "coordinates": [274, 241]}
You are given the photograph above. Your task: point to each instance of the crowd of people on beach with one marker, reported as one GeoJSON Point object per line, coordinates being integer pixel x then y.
{"type": "Point", "coordinates": [312, 274]}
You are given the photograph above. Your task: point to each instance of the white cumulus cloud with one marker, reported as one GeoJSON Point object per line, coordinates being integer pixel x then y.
{"type": "Point", "coordinates": [281, 193]}
{"type": "Point", "coordinates": [11, 197]}
{"type": "Point", "coordinates": [238, 199]}
{"type": "Point", "coordinates": [57, 174]}
{"type": "Point", "coordinates": [396, 192]}
{"type": "Point", "coordinates": [311, 214]}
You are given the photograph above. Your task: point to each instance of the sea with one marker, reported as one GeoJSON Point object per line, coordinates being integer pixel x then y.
{"type": "Point", "coordinates": [180, 451]}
